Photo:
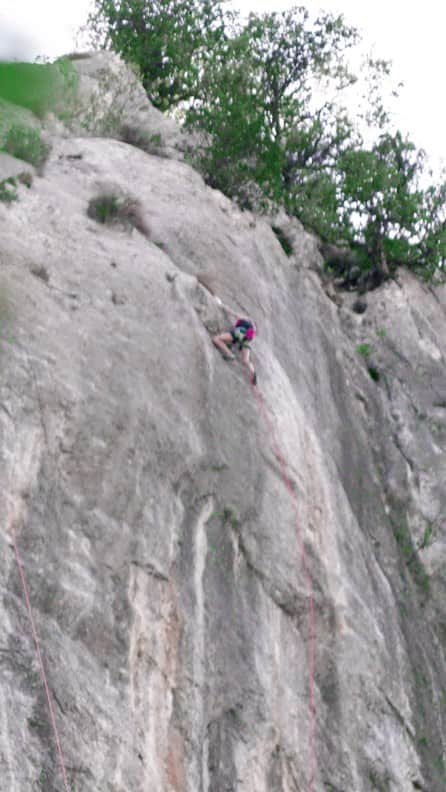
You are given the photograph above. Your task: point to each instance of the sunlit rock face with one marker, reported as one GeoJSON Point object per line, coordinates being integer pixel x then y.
{"type": "Point", "coordinates": [158, 504]}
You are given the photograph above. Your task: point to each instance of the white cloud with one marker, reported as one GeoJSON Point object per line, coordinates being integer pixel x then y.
{"type": "Point", "coordinates": [47, 28]}
{"type": "Point", "coordinates": [15, 44]}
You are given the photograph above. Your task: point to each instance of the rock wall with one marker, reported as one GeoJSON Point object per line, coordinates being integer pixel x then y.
{"type": "Point", "coordinates": [141, 483]}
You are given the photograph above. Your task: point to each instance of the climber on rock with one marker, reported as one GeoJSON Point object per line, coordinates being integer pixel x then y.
{"type": "Point", "coordinates": [241, 334]}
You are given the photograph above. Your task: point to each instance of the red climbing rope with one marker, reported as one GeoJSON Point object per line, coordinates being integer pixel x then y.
{"type": "Point", "coordinates": [289, 486]}
{"type": "Point", "coordinates": [41, 664]}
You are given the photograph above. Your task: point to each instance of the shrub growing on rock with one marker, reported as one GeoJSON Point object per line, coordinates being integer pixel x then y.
{"type": "Point", "coordinates": [8, 187]}
{"type": "Point", "coordinates": [8, 190]}
{"type": "Point", "coordinates": [26, 144]}
{"type": "Point", "coordinates": [151, 144]}
{"type": "Point", "coordinates": [113, 209]}
{"type": "Point", "coordinates": [283, 239]}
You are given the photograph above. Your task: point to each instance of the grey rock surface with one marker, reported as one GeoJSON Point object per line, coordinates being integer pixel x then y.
{"type": "Point", "coordinates": [109, 95]}
{"type": "Point", "coordinates": [11, 167]}
{"type": "Point", "coordinates": [141, 479]}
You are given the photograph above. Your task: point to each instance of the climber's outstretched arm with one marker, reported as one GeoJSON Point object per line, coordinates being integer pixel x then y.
{"type": "Point", "coordinates": [227, 308]}
{"type": "Point", "coordinates": [230, 311]}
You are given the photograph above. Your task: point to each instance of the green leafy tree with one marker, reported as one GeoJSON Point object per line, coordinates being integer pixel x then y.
{"type": "Point", "coordinates": [255, 103]}
{"type": "Point", "coordinates": [238, 149]}
{"type": "Point", "coordinates": [266, 98]}
{"type": "Point", "coordinates": [383, 205]}
{"type": "Point", "coordinates": [167, 40]}
{"type": "Point", "coordinates": [310, 178]}
{"type": "Point", "coordinates": [431, 260]}
{"type": "Point", "coordinates": [291, 53]}
{"type": "Point", "coordinates": [39, 87]}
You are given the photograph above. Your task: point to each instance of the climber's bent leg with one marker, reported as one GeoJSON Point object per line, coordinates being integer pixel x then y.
{"type": "Point", "coordinates": [221, 342]}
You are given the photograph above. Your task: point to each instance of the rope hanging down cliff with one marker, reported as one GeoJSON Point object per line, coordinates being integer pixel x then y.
{"type": "Point", "coordinates": [286, 479]}
{"type": "Point", "coordinates": [35, 635]}
{"type": "Point", "coordinates": [221, 341]}
{"type": "Point", "coordinates": [41, 663]}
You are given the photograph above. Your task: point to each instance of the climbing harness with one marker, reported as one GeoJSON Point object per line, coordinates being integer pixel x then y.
{"type": "Point", "coordinates": [243, 332]}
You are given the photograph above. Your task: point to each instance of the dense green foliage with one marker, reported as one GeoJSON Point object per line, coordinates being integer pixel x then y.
{"type": "Point", "coordinates": [8, 192]}
{"type": "Point", "coordinates": [38, 87]}
{"type": "Point", "coordinates": [267, 94]}
{"type": "Point", "coordinates": [26, 144]}
{"type": "Point", "coordinates": [166, 39]}
{"type": "Point", "coordinates": [29, 85]}
{"type": "Point", "coordinates": [111, 208]}
{"type": "Point", "coordinates": [383, 204]}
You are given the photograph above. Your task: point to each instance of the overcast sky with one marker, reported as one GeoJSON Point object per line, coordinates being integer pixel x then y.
{"type": "Point", "coordinates": [411, 35]}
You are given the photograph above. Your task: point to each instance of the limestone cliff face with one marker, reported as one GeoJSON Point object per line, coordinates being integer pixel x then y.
{"type": "Point", "coordinates": [140, 481]}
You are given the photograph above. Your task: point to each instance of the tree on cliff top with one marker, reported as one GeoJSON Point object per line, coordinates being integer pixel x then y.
{"type": "Point", "coordinates": [386, 210]}
{"type": "Point", "coordinates": [166, 39]}
{"type": "Point", "coordinates": [256, 102]}
{"type": "Point", "coordinates": [267, 93]}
